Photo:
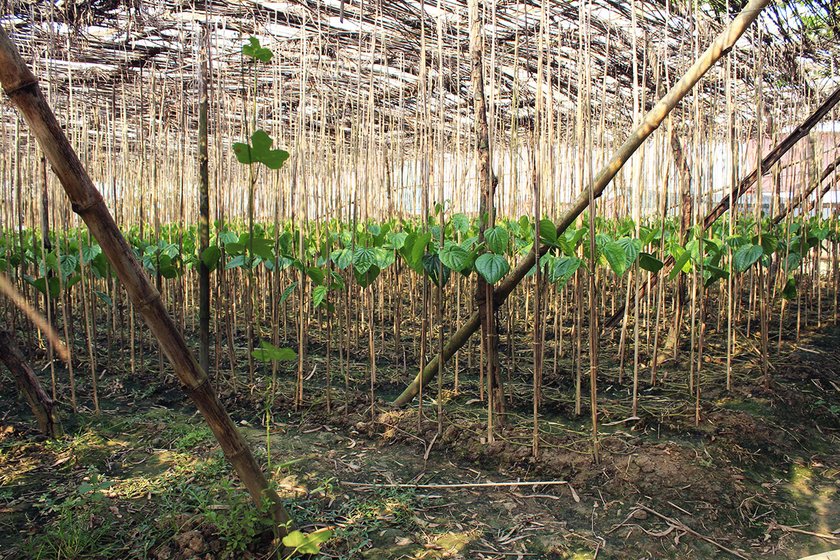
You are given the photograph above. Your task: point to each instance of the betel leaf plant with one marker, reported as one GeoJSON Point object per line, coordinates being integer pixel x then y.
{"type": "Point", "coordinates": [492, 264]}
{"type": "Point", "coordinates": [254, 246]}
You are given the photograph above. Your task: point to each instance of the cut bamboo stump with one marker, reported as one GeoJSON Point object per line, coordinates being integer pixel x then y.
{"type": "Point", "coordinates": [43, 407]}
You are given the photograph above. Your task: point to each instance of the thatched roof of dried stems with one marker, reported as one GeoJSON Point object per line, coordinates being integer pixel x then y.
{"type": "Point", "coordinates": [375, 67]}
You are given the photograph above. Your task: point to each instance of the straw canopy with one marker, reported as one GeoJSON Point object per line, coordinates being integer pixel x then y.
{"type": "Point", "coordinates": [398, 67]}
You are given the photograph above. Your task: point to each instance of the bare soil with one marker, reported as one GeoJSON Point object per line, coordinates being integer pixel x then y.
{"type": "Point", "coordinates": [759, 476]}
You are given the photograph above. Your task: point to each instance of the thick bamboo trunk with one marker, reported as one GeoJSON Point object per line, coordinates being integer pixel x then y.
{"type": "Point", "coordinates": [22, 87]}
{"type": "Point", "coordinates": [43, 407]}
{"type": "Point", "coordinates": [764, 167]}
{"type": "Point", "coordinates": [484, 294]}
{"type": "Point", "coordinates": [724, 42]}
{"type": "Point", "coordinates": [203, 216]}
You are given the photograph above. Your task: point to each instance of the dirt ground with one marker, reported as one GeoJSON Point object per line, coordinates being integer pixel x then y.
{"type": "Point", "coordinates": [759, 477]}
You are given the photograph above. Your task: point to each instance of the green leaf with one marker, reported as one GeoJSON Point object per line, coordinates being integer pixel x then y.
{"type": "Point", "coordinates": [342, 257]}
{"type": "Point", "coordinates": [261, 247]}
{"type": "Point", "coordinates": [72, 281]}
{"type": "Point", "coordinates": [383, 258]}
{"type": "Point", "coordinates": [307, 543]}
{"type": "Point", "coordinates": [431, 265]}
{"type": "Point", "coordinates": [397, 240]}
{"type": "Point", "coordinates": [236, 262]}
{"type": "Point", "coordinates": [460, 223]}
{"type": "Point", "coordinates": [363, 259]}
{"type": "Point", "coordinates": [104, 297]}
{"type": "Point", "coordinates": [769, 243]}
{"type": "Point", "coordinates": [564, 268]}
{"type": "Point", "coordinates": [267, 352]}
{"type": "Point", "coordinates": [454, 257]}
{"type": "Point", "coordinates": [649, 262]}
{"type": "Point", "coordinates": [414, 249]}
{"type": "Point", "coordinates": [254, 50]}
{"type": "Point", "coordinates": [50, 262]}
{"type": "Point", "coordinates": [616, 257]}
{"type": "Point", "coordinates": [681, 261]}
{"type": "Point", "coordinates": [792, 262]}
{"type": "Point", "coordinates": [234, 248]}
{"type": "Point", "coordinates": [317, 275]}
{"type": "Point", "coordinates": [492, 267]}
{"type": "Point", "coordinates": [288, 291]}
{"type": "Point", "coordinates": [260, 151]}
{"type": "Point", "coordinates": [170, 250]}
{"type": "Point", "coordinates": [496, 239]}
{"type": "Point", "coordinates": [227, 237]}
{"type": "Point", "coordinates": [90, 252]}
{"type": "Point", "coordinates": [713, 274]}
{"type": "Point", "coordinates": [789, 291]}
{"type": "Point", "coordinates": [168, 272]}
{"type": "Point", "coordinates": [365, 279]}
{"type": "Point", "coordinates": [548, 232]}
{"type": "Point", "coordinates": [68, 265]}
{"type": "Point", "coordinates": [211, 256]}
{"type": "Point", "coordinates": [631, 247]}
{"type": "Point", "coordinates": [319, 295]}
{"type": "Point", "coordinates": [41, 285]}
{"type": "Point", "coordinates": [746, 256]}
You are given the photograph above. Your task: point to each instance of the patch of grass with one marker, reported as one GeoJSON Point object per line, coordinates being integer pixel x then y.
{"type": "Point", "coordinates": [753, 406]}
{"type": "Point", "coordinates": [82, 524]}
{"type": "Point", "coordinates": [237, 522]}
{"type": "Point", "coordinates": [192, 436]}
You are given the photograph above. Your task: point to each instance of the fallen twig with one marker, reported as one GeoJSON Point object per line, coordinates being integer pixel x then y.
{"type": "Point", "coordinates": [683, 527]}
{"type": "Point", "coordinates": [788, 529]}
{"type": "Point", "coordinates": [457, 485]}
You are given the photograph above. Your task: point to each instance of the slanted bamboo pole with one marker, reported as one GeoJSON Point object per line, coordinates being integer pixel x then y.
{"type": "Point", "coordinates": [721, 46]}
{"type": "Point", "coordinates": [765, 165]}
{"type": "Point", "coordinates": [803, 196]}
{"type": "Point", "coordinates": [22, 88]}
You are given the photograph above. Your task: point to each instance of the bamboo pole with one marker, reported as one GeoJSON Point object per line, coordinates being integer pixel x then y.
{"type": "Point", "coordinates": [764, 166]}
{"type": "Point", "coordinates": [22, 88]}
{"type": "Point", "coordinates": [720, 47]}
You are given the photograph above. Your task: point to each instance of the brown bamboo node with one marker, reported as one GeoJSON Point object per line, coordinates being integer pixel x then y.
{"type": "Point", "coordinates": [232, 457]}
{"type": "Point", "coordinates": [85, 206]}
{"type": "Point", "coordinates": [198, 386]}
{"type": "Point", "coordinates": [149, 300]}
{"type": "Point", "coordinates": [24, 85]}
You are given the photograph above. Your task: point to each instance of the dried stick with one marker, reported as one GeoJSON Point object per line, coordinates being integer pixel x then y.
{"type": "Point", "coordinates": [683, 527]}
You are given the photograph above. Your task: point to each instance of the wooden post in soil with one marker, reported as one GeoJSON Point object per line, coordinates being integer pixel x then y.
{"type": "Point", "coordinates": [203, 210]}
{"type": "Point", "coordinates": [720, 47]}
{"type": "Point", "coordinates": [22, 88]}
{"type": "Point", "coordinates": [484, 296]}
